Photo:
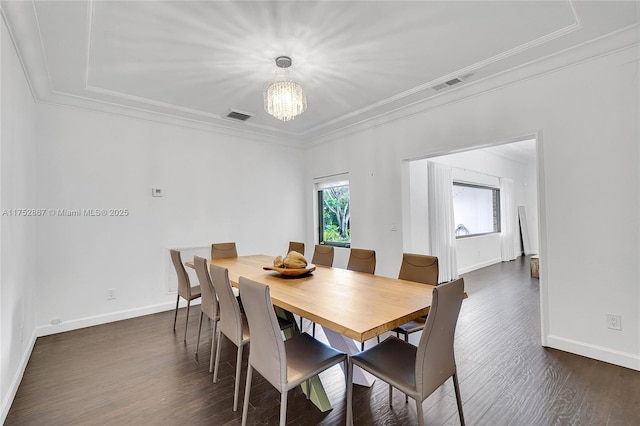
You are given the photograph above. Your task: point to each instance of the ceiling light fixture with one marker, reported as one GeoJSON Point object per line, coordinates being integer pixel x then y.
{"type": "Point", "coordinates": [284, 98]}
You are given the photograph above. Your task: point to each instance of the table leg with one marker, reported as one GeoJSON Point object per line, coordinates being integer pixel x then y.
{"type": "Point", "coordinates": [344, 344]}
{"type": "Point", "coordinates": [316, 392]}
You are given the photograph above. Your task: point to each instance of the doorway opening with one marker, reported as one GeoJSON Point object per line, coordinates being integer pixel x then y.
{"type": "Point", "coordinates": [489, 167]}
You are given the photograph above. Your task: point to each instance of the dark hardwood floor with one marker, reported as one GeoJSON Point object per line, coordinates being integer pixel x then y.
{"type": "Point", "coordinates": [139, 372]}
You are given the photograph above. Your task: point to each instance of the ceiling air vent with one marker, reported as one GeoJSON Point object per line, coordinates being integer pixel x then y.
{"type": "Point", "coordinates": [453, 81]}
{"type": "Point", "coordinates": [238, 115]}
{"type": "Point", "coordinates": [448, 83]}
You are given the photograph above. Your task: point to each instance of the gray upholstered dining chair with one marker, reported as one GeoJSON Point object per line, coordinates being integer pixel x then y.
{"type": "Point", "coordinates": [322, 255]}
{"type": "Point", "coordinates": [362, 260]}
{"type": "Point", "coordinates": [223, 250]}
{"type": "Point", "coordinates": [184, 289]}
{"type": "Point", "coordinates": [421, 269]}
{"type": "Point", "coordinates": [296, 246]}
{"type": "Point", "coordinates": [233, 324]}
{"type": "Point", "coordinates": [208, 305]}
{"type": "Point", "coordinates": [284, 364]}
{"type": "Point", "coordinates": [418, 371]}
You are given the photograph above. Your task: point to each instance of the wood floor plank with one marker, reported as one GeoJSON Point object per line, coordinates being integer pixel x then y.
{"type": "Point", "coordinates": [139, 372]}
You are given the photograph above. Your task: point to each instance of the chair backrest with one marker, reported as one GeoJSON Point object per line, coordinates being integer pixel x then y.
{"type": "Point", "coordinates": [435, 360]}
{"type": "Point", "coordinates": [209, 303]}
{"type": "Point", "coordinates": [184, 284]}
{"type": "Point", "coordinates": [362, 260]}
{"type": "Point", "coordinates": [296, 246]}
{"type": "Point", "coordinates": [419, 268]}
{"type": "Point", "coordinates": [322, 255]}
{"type": "Point", "coordinates": [267, 354]}
{"type": "Point", "coordinates": [230, 317]}
{"type": "Point", "coordinates": [223, 250]}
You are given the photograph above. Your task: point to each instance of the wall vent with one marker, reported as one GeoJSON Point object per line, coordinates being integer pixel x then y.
{"type": "Point", "coordinates": [238, 115]}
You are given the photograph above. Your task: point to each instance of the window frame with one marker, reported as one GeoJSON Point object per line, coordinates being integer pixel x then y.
{"type": "Point", "coordinates": [320, 187]}
{"type": "Point", "coordinates": [497, 214]}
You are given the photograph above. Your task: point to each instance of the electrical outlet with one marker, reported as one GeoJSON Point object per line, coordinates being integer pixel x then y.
{"type": "Point", "coordinates": [614, 322]}
{"type": "Point", "coordinates": [111, 293]}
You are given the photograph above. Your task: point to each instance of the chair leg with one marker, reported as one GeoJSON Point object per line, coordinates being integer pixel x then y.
{"type": "Point", "coordinates": [236, 390]}
{"type": "Point", "coordinates": [283, 408]}
{"type": "Point", "coordinates": [213, 346]}
{"type": "Point", "coordinates": [199, 330]}
{"type": "Point", "coordinates": [186, 323]}
{"type": "Point", "coordinates": [361, 346]}
{"type": "Point", "coordinates": [390, 396]}
{"type": "Point", "coordinates": [420, 413]}
{"type": "Point", "coordinates": [406, 339]}
{"type": "Point", "coordinates": [314, 330]}
{"type": "Point", "coordinates": [247, 390]}
{"type": "Point", "coordinates": [378, 337]}
{"type": "Point", "coordinates": [300, 324]}
{"type": "Point", "coordinates": [175, 317]}
{"type": "Point", "coordinates": [215, 365]}
{"type": "Point", "coordinates": [456, 387]}
{"type": "Point", "coordinates": [349, 393]}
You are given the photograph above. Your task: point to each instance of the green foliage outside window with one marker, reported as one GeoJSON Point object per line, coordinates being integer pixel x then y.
{"type": "Point", "coordinates": [336, 215]}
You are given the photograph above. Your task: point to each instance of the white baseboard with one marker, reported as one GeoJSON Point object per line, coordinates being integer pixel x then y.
{"type": "Point", "coordinates": [600, 353]}
{"type": "Point", "coordinates": [17, 378]}
{"type": "Point", "coordinates": [479, 266]}
{"type": "Point", "coordinates": [45, 330]}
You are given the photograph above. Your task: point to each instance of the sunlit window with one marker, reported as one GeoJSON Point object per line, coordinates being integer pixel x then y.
{"type": "Point", "coordinates": [476, 209]}
{"type": "Point", "coordinates": [334, 214]}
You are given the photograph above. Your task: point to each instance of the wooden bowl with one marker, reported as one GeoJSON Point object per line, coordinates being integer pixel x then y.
{"type": "Point", "coordinates": [292, 272]}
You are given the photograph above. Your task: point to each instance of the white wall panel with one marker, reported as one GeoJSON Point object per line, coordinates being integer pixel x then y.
{"type": "Point", "coordinates": [17, 231]}
{"type": "Point", "coordinates": [215, 188]}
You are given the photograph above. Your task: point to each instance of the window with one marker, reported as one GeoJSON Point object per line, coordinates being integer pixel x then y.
{"type": "Point", "coordinates": [334, 214]}
{"type": "Point", "coordinates": [476, 209]}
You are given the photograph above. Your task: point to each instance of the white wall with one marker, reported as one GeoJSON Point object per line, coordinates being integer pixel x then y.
{"type": "Point", "coordinates": [374, 198]}
{"type": "Point", "coordinates": [586, 119]}
{"type": "Point", "coordinates": [216, 188]}
{"type": "Point", "coordinates": [17, 234]}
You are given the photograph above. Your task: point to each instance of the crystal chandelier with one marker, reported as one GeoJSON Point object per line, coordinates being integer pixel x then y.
{"type": "Point", "coordinates": [284, 98]}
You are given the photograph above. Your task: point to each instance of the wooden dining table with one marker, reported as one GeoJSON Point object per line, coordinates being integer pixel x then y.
{"type": "Point", "coordinates": [348, 305]}
{"type": "Point", "coordinates": [355, 304]}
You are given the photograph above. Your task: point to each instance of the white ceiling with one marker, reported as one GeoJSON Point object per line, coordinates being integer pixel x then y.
{"type": "Point", "coordinates": [190, 62]}
{"type": "Point", "coordinates": [523, 152]}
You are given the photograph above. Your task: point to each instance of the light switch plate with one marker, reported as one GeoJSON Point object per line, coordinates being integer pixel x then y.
{"type": "Point", "coordinates": [156, 192]}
